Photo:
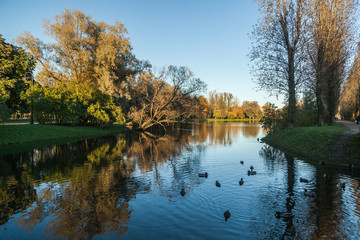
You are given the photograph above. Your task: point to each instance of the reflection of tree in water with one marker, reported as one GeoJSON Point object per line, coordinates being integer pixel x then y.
{"type": "Point", "coordinates": [86, 187]}
{"type": "Point", "coordinates": [223, 133]}
{"type": "Point", "coordinates": [251, 130]}
{"type": "Point", "coordinates": [175, 151]}
{"type": "Point", "coordinates": [277, 198]}
{"type": "Point", "coordinates": [17, 193]}
{"type": "Point", "coordinates": [318, 217]}
{"type": "Point", "coordinates": [90, 203]}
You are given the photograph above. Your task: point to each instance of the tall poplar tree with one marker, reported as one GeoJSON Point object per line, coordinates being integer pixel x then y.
{"type": "Point", "coordinates": [331, 37]}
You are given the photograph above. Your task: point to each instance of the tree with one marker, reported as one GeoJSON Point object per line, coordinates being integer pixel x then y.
{"type": "Point", "coordinates": [251, 109]}
{"type": "Point", "coordinates": [157, 100]}
{"type": "Point", "coordinates": [278, 49]}
{"type": "Point", "coordinates": [221, 104]}
{"type": "Point", "coordinates": [16, 67]}
{"type": "Point", "coordinates": [200, 107]}
{"type": "Point", "coordinates": [84, 51]}
{"type": "Point", "coordinates": [331, 30]}
{"type": "Point", "coordinates": [350, 98]}
{"type": "Point", "coordinates": [272, 119]}
{"type": "Point", "coordinates": [238, 112]}
{"type": "Point", "coordinates": [74, 104]}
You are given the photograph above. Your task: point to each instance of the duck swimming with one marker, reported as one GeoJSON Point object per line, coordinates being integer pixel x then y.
{"type": "Point", "coordinates": [182, 193]}
{"type": "Point", "coordinates": [241, 182]}
{"type": "Point", "coordinates": [304, 180]}
{"type": "Point", "coordinates": [251, 168]}
{"type": "Point", "coordinates": [284, 215]}
{"type": "Point", "coordinates": [217, 184]}
{"type": "Point", "coordinates": [251, 173]}
{"type": "Point", "coordinates": [205, 175]}
{"type": "Point", "coordinates": [227, 215]}
{"type": "Point", "coordinates": [242, 162]}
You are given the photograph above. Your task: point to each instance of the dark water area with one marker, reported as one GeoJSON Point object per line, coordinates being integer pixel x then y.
{"type": "Point", "coordinates": [128, 186]}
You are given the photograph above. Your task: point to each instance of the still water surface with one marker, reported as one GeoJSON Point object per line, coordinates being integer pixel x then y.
{"type": "Point", "coordinates": [129, 186]}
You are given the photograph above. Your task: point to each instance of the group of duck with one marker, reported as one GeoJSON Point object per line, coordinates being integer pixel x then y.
{"type": "Point", "coordinates": [227, 213]}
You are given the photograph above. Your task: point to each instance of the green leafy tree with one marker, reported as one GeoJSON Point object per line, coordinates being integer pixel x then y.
{"type": "Point", "coordinates": [74, 104]}
{"type": "Point", "coordinates": [15, 74]}
{"type": "Point", "coordinates": [251, 109]}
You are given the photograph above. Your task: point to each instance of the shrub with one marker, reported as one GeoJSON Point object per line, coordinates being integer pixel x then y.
{"type": "Point", "coordinates": [74, 104]}
{"type": "Point", "coordinates": [273, 119]}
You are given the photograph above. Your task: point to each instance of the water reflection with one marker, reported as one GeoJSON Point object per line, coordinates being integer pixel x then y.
{"type": "Point", "coordinates": [322, 215]}
{"type": "Point", "coordinates": [223, 133]}
{"type": "Point", "coordinates": [129, 186]}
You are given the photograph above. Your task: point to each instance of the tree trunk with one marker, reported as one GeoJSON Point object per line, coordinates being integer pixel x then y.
{"type": "Point", "coordinates": [292, 95]}
{"type": "Point", "coordinates": [320, 106]}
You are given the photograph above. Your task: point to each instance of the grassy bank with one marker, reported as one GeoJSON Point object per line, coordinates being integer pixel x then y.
{"type": "Point", "coordinates": [353, 151]}
{"type": "Point", "coordinates": [10, 134]}
{"type": "Point", "coordinates": [312, 142]}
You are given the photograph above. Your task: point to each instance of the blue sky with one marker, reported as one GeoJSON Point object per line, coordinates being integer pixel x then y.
{"type": "Point", "coordinates": [208, 36]}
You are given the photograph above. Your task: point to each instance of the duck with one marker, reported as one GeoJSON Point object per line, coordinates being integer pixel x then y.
{"type": "Point", "coordinates": [309, 194]}
{"type": "Point", "coordinates": [205, 175]}
{"type": "Point", "coordinates": [217, 183]}
{"type": "Point", "coordinates": [342, 185]}
{"type": "Point", "coordinates": [182, 193]}
{"type": "Point", "coordinates": [242, 162]}
{"type": "Point", "coordinates": [284, 215]}
{"type": "Point", "coordinates": [241, 182]}
{"type": "Point", "coordinates": [251, 168]}
{"type": "Point", "coordinates": [304, 180]}
{"type": "Point", "coordinates": [227, 215]}
{"type": "Point", "coordinates": [251, 173]}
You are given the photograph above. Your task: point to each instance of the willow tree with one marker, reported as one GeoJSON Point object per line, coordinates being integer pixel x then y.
{"type": "Point", "coordinates": [278, 50]}
{"type": "Point", "coordinates": [83, 51]}
{"type": "Point", "coordinates": [331, 37]}
{"type": "Point", "coordinates": [160, 99]}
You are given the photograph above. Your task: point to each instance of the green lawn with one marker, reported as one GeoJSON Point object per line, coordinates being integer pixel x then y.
{"type": "Point", "coordinates": [312, 142]}
{"type": "Point", "coordinates": [10, 134]}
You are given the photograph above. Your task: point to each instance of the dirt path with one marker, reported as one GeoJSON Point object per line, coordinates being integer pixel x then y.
{"type": "Point", "coordinates": [341, 143]}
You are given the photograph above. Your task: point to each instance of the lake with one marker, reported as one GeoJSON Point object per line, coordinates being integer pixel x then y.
{"type": "Point", "coordinates": [128, 186]}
